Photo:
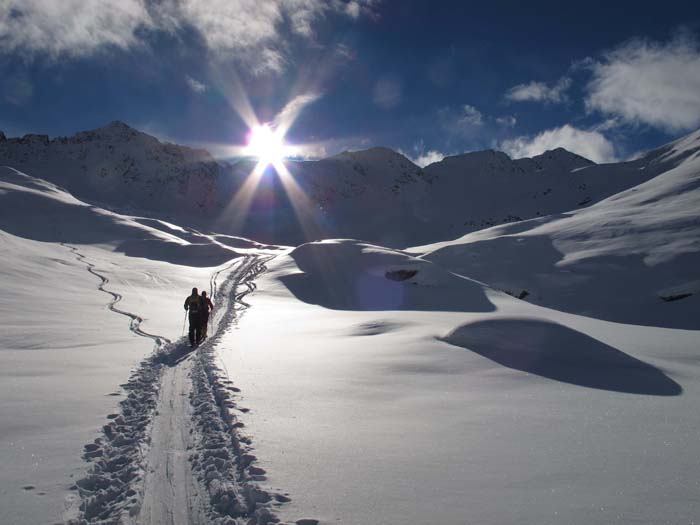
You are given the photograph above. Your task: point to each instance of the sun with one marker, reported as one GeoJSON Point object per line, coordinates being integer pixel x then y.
{"type": "Point", "coordinates": [267, 144]}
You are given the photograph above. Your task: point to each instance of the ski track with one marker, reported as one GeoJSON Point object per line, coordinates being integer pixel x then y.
{"type": "Point", "coordinates": [175, 453]}
{"type": "Point", "coordinates": [135, 324]}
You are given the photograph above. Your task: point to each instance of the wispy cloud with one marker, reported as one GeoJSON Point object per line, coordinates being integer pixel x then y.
{"type": "Point", "coordinates": [429, 157]}
{"type": "Point", "coordinates": [507, 121]}
{"type": "Point", "coordinates": [195, 85]}
{"type": "Point", "coordinates": [643, 82]}
{"type": "Point", "coordinates": [590, 144]}
{"type": "Point", "coordinates": [387, 92]}
{"type": "Point", "coordinates": [70, 27]}
{"type": "Point", "coordinates": [470, 116]}
{"type": "Point", "coordinates": [540, 92]}
{"type": "Point", "coordinates": [464, 121]}
{"type": "Point", "coordinates": [289, 113]}
{"type": "Point", "coordinates": [249, 31]}
{"type": "Point", "coordinates": [422, 156]}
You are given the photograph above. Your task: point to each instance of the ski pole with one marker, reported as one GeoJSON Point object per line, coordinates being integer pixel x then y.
{"type": "Point", "coordinates": [184, 322]}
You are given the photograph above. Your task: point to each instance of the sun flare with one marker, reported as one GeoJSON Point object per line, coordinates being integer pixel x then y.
{"type": "Point", "coordinates": [267, 144]}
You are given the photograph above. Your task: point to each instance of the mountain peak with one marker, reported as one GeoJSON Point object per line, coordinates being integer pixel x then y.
{"type": "Point", "coordinates": [562, 154]}
{"type": "Point", "coordinates": [117, 124]}
{"type": "Point", "coordinates": [374, 154]}
{"type": "Point", "coordinates": [481, 155]}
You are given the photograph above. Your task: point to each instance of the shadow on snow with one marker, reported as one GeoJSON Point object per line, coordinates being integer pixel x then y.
{"type": "Point", "coordinates": [560, 353]}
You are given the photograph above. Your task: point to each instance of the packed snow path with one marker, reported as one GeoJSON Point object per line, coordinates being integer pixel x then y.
{"type": "Point", "coordinates": [171, 491]}
{"type": "Point", "coordinates": [173, 455]}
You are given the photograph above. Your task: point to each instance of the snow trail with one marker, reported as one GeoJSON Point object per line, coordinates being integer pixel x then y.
{"type": "Point", "coordinates": [173, 454]}
{"type": "Point", "coordinates": [135, 324]}
{"type": "Point", "coordinates": [172, 494]}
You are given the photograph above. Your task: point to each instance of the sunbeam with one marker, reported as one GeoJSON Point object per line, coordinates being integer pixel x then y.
{"type": "Point", "coordinates": [304, 208]}
{"type": "Point", "coordinates": [236, 212]}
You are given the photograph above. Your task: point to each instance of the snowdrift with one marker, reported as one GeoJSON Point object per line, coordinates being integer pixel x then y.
{"type": "Point", "coordinates": [351, 275]}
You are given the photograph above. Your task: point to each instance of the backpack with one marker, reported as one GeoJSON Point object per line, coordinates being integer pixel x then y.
{"type": "Point", "coordinates": [194, 304]}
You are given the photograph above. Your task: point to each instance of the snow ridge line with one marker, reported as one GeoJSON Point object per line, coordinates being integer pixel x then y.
{"type": "Point", "coordinates": [222, 459]}
{"type": "Point", "coordinates": [109, 492]}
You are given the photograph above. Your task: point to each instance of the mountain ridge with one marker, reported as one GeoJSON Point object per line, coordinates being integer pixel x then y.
{"type": "Point", "coordinates": [377, 194]}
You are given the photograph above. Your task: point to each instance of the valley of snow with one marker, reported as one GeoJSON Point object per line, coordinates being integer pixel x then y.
{"type": "Point", "coordinates": [345, 381]}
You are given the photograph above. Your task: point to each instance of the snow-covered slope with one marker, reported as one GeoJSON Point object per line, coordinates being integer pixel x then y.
{"type": "Point", "coordinates": [405, 403]}
{"type": "Point", "coordinates": [39, 210]}
{"type": "Point", "coordinates": [633, 257]}
{"type": "Point", "coordinates": [363, 384]}
{"type": "Point", "coordinates": [376, 195]}
{"type": "Point", "coordinates": [86, 293]}
{"type": "Point", "coordinates": [487, 188]}
{"type": "Point", "coordinates": [123, 168]}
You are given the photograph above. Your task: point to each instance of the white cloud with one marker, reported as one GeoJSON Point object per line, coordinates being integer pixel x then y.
{"type": "Point", "coordinates": [465, 121]}
{"type": "Point", "coordinates": [421, 156]}
{"type": "Point", "coordinates": [428, 157]}
{"type": "Point", "coordinates": [345, 52]}
{"type": "Point", "coordinates": [507, 121]}
{"type": "Point", "coordinates": [470, 116]}
{"type": "Point", "coordinates": [353, 9]}
{"type": "Point", "coordinates": [289, 113]}
{"type": "Point", "coordinates": [644, 82]}
{"type": "Point", "coordinates": [249, 31]}
{"type": "Point", "coordinates": [540, 92]}
{"type": "Point", "coordinates": [387, 92]}
{"type": "Point", "coordinates": [590, 144]}
{"type": "Point", "coordinates": [195, 85]}
{"type": "Point", "coordinates": [70, 27]}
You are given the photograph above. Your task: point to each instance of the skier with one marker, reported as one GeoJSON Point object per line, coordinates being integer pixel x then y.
{"type": "Point", "coordinates": [194, 305]}
{"type": "Point", "coordinates": [207, 307]}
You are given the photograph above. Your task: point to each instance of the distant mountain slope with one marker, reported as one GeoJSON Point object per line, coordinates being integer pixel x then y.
{"type": "Point", "coordinates": [39, 210]}
{"type": "Point", "coordinates": [123, 168]}
{"type": "Point", "coordinates": [633, 257]}
{"type": "Point", "coordinates": [487, 188]}
{"type": "Point", "coordinates": [376, 195]}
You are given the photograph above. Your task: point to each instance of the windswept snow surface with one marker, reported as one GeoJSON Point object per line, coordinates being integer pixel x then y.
{"type": "Point", "coordinates": [405, 403]}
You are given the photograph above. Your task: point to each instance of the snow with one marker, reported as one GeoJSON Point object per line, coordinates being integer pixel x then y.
{"type": "Point", "coordinates": [347, 380]}
{"type": "Point", "coordinates": [613, 260]}
{"type": "Point", "coordinates": [60, 374]}
{"type": "Point", "coordinates": [376, 195]}
{"type": "Point", "coordinates": [65, 356]}
{"type": "Point", "coordinates": [478, 415]}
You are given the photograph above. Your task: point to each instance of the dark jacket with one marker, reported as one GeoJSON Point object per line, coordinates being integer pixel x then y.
{"type": "Point", "coordinates": [194, 304]}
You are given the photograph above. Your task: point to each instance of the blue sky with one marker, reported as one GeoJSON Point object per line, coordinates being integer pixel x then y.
{"type": "Point", "coordinates": [604, 79]}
